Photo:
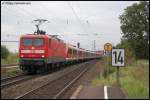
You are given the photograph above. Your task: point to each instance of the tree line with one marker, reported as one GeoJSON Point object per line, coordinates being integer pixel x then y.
{"type": "Point", "coordinates": [135, 29]}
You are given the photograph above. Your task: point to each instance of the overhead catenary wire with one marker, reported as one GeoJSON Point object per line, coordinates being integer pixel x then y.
{"type": "Point", "coordinates": [29, 13]}
{"type": "Point", "coordinates": [77, 17]}
{"type": "Point", "coordinates": [32, 15]}
{"type": "Point", "coordinates": [51, 20]}
{"type": "Point", "coordinates": [62, 27]}
{"type": "Point", "coordinates": [26, 12]}
{"type": "Point", "coordinates": [35, 17]}
{"type": "Point", "coordinates": [87, 22]}
{"type": "Point", "coordinates": [9, 41]}
{"type": "Point", "coordinates": [79, 21]}
{"type": "Point", "coordinates": [13, 13]}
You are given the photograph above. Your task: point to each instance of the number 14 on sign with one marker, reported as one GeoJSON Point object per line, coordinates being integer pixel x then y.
{"type": "Point", "coordinates": [117, 57]}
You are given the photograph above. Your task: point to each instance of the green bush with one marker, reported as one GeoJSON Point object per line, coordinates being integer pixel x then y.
{"type": "Point", "coordinates": [129, 52]}
{"type": "Point", "coordinates": [4, 52]}
{"type": "Point", "coordinates": [129, 57]}
{"type": "Point", "coordinates": [11, 59]}
{"type": "Point", "coordinates": [14, 56]}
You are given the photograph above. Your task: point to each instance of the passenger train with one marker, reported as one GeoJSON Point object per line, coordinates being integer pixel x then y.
{"type": "Point", "coordinates": [40, 52]}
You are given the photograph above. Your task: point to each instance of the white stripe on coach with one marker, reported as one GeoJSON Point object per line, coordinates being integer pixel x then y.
{"type": "Point", "coordinates": [39, 51]}
{"type": "Point", "coordinates": [32, 51]}
{"type": "Point", "coordinates": [25, 51]}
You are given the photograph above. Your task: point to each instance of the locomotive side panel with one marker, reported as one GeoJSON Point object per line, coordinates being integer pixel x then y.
{"type": "Point", "coordinates": [57, 51]}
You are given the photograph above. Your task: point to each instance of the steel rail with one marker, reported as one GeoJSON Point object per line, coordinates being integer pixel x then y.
{"type": "Point", "coordinates": [15, 81]}
{"type": "Point", "coordinates": [6, 65]}
{"type": "Point", "coordinates": [69, 84]}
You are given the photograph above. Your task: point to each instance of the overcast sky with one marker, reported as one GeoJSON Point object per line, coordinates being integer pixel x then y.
{"type": "Point", "coordinates": [73, 21]}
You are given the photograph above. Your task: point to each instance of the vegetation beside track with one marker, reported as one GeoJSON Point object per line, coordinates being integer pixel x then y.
{"type": "Point", "coordinates": [8, 57]}
{"type": "Point", "coordinates": [134, 78]}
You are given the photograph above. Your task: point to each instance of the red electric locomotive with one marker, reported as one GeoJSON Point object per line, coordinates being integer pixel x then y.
{"type": "Point", "coordinates": [40, 52]}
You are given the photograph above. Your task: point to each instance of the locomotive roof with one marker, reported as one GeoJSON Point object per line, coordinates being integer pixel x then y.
{"type": "Point", "coordinates": [32, 35]}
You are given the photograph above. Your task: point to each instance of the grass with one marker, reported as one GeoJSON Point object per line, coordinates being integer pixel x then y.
{"type": "Point", "coordinates": [14, 71]}
{"type": "Point", "coordinates": [11, 59]}
{"type": "Point", "coordinates": [134, 79]}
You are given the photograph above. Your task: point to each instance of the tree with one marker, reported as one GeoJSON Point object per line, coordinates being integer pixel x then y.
{"type": "Point", "coordinates": [135, 28]}
{"type": "Point", "coordinates": [4, 52]}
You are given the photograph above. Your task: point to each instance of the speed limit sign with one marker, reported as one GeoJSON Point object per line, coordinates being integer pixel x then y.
{"type": "Point", "coordinates": [117, 57]}
{"type": "Point", "coordinates": [108, 47]}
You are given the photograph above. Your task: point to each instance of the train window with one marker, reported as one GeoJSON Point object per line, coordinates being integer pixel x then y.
{"type": "Point", "coordinates": [74, 51]}
{"type": "Point", "coordinates": [49, 43]}
{"type": "Point", "coordinates": [38, 42]}
{"type": "Point", "coordinates": [81, 53]}
{"type": "Point", "coordinates": [27, 42]}
{"type": "Point", "coordinates": [70, 51]}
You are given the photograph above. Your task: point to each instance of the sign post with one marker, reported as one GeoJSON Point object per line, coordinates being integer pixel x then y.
{"type": "Point", "coordinates": [108, 49]}
{"type": "Point", "coordinates": [118, 61]}
{"type": "Point", "coordinates": [117, 75]}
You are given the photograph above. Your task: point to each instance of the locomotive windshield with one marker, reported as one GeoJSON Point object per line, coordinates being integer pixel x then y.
{"type": "Point", "coordinates": [33, 42]}
{"type": "Point", "coordinates": [27, 42]}
{"type": "Point", "coordinates": [38, 42]}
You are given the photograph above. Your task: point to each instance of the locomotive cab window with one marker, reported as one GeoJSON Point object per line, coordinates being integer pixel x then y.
{"type": "Point", "coordinates": [38, 42]}
{"type": "Point", "coordinates": [33, 42]}
{"type": "Point", "coordinates": [27, 42]}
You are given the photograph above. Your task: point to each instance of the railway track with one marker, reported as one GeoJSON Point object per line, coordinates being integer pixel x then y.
{"type": "Point", "coordinates": [57, 87]}
{"type": "Point", "coordinates": [9, 78]}
{"type": "Point", "coordinates": [7, 65]}
{"type": "Point", "coordinates": [47, 85]}
{"type": "Point", "coordinates": [69, 84]}
{"type": "Point", "coordinates": [15, 80]}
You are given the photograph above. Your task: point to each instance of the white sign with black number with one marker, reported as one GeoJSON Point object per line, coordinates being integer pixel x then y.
{"type": "Point", "coordinates": [117, 57]}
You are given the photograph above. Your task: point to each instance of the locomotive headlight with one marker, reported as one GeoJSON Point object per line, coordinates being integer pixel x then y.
{"type": "Point", "coordinates": [43, 56]}
{"type": "Point", "coordinates": [22, 56]}
{"type": "Point", "coordinates": [32, 48]}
